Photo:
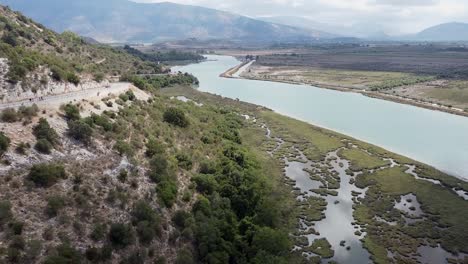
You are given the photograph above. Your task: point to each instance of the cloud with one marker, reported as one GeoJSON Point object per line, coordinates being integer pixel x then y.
{"type": "Point", "coordinates": [390, 16]}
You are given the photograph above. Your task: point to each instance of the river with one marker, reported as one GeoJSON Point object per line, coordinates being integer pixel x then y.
{"type": "Point", "coordinates": [432, 137]}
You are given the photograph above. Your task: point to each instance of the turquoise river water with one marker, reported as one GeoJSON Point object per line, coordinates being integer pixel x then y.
{"type": "Point", "coordinates": [435, 138]}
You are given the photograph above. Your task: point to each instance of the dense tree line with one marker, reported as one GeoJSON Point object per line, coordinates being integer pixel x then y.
{"type": "Point", "coordinates": [172, 55]}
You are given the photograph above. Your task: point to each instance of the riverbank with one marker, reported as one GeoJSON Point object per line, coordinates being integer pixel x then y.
{"type": "Point", "coordinates": [378, 95]}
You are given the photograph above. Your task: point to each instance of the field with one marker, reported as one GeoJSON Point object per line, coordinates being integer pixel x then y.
{"type": "Point", "coordinates": [436, 75]}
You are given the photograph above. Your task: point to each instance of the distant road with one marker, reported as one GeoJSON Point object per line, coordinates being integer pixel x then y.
{"type": "Point", "coordinates": [59, 99]}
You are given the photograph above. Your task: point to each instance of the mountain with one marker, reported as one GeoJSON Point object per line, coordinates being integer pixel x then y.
{"type": "Point", "coordinates": [361, 30]}
{"type": "Point", "coordinates": [444, 32]}
{"type": "Point", "coordinates": [126, 21]}
{"type": "Point", "coordinates": [318, 29]}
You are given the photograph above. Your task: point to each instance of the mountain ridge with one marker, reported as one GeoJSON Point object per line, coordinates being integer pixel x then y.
{"type": "Point", "coordinates": [125, 21]}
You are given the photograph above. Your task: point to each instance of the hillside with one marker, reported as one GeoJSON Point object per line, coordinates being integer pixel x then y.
{"type": "Point", "coordinates": [126, 21]}
{"type": "Point", "coordinates": [444, 32]}
{"type": "Point", "coordinates": [35, 58]}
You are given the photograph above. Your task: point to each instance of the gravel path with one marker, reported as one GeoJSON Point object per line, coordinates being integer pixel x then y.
{"type": "Point", "coordinates": [59, 99]}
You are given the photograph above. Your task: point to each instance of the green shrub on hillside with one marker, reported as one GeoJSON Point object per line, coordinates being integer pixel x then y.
{"type": "Point", "coordinates": [43, 146]}
{"type": "Point", "coordinates": [72, 112]}
{"type": "Point", "coordinates": [176, 117]}
{"type": "Point", "coordinates": [44, 131]}
{"type": "Point", "coordinates": [46, 175]}
{"type": "Point", "coordinates": [10, 115]}
{"type": "Point", "coordinates": [153, 147]}
{"type": "Point", "coordinates": [4, 143]}
{"type": "Point", "coordinates": [121, 235]}
{"type": "Point", "coordinates": [5, 212]}
{"type": "Point", "coordinates": [64, 254]}
{"type": "Point", "coordinates": [72, 78]}
{"type": "Point", "coordinates": [54, 205]}
{"type": "Point", "coordinates": [80, 130]}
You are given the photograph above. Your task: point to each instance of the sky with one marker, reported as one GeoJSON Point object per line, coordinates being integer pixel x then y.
{"type": "Point", "coordinates": [394, 17]}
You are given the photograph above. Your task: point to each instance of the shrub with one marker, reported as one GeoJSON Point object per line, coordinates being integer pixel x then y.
{"type": "Point", "coordinates": [99, 231]}
{"type": "Point", "coordinates": [123, 148]}
{"type": "Point", "coordinates": [80, 130]}
{"type": "Point", "coordinates": [43, 131]}
{"type": "Point", "coordinates": [207, 167]}
{"type": "Point", "coordinates": [21, 148]}
{"type": "Point", "coordinates": [184, 256]}
{"type": "Point", "coordinates": [184, 161]}
{"type": "Point", "coordinates": [57, 74]}
{"type": "Point", "coordinates": [102, 121]}
{"type": "Point", "coordinates": [181, 219]}
{"type": "Point", "coordinates": [4, 143]}
{"type": "Point", "coordinates": [144, 212]}
{"type": "Point", "coordinates": [54, 205]}
{"type": "Point", "coordinates": [130, 95]}
{"type": "Point", "coordinates": [10, 39]}
{"type": "Point", "coordinates": [73, 78]}
{"type": "Point", "coordinates": [159, 168]}
{"type": "Point", "coordinates": [123, 175]}
{"type": "Point", "coordinates": [146, 232]}
{"type": "Point", "coordinates": [153, 147]}
{"type": "Point", "coordinates": [46, 175]}
{"type": "Point", "coordinates": [99, 77]}
{"type": "Point", "coordinates": [206, 183]}
{"type": "Point", "coordinates": [10, 115]}
{"type": "Point", "coordinates": [72, 112]}
{"type": "Point", "coordinates": [43, 146]}
{"type": "Point", "coordinates": [167, 192]}
{"type": "Point", "coordinates": [123, 97]}
{"type": "Point", "coordinates": [16, 227]}
{"type": "Point", "coordinates": [5, 212]}
{"type": "Point", "coordinates": [176, 117]}
{"type": "Point", "coordinates": [121, 235]}
{"type": "Point", "coordinates": [64, 254]}
{"type": "Point", "coordinates": [29, 111]}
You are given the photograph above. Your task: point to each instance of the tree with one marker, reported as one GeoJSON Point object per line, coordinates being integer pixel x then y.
{"type": "Point", "coordinates": [176, 117]}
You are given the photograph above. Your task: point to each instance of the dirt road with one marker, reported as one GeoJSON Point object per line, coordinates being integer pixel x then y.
{"type": "Point", "coordinates": [59, 99]}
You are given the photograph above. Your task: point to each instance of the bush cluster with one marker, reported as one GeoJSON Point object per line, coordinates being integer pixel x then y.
{"type": "Point", "coordinates": [46, 175]}
{"type": "Point", "coordinates": [176, 117]}
{"type": "Point", "coordinates": [46, 136]}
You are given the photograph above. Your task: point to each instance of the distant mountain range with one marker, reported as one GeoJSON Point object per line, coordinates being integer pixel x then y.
{"type": "Point", "coordinates": [126, 21]}
{"type": "Point", "coordinates": [118, 21]}
{"type": "Point", "coordinates": [443, 32]}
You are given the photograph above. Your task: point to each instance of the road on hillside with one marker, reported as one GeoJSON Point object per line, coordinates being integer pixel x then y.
{"type": "Point", "coordinates": [59, 99]}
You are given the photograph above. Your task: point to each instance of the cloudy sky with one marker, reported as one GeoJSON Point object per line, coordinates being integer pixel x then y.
{"type": "Point", "coordinates": [390, 16]}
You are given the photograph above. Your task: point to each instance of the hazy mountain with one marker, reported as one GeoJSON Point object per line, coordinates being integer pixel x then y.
{"type": "Point", "coordinates": [367, 31]}
{"type": "Point", "coordinates": [444, 32]}
{"type": "Point", "coordinates": [126, 21]}
{"type": "Point", "coordinates": [319, 29]}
